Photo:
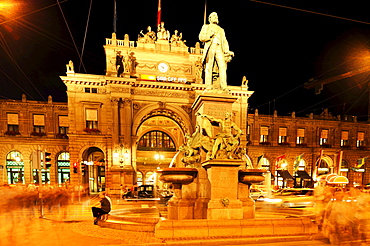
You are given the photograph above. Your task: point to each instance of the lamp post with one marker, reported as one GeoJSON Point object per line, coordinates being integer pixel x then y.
{"type": "Point", "coordinates": [121, 155]}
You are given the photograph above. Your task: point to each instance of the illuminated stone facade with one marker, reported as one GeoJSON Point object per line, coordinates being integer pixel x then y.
{"type": "Point", "coordinates": [118, 128]}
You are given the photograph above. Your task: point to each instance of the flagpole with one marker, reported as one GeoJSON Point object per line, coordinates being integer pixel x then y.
{"type": "Point", "coordinates": [115, 17]}
{"type": "Point", "coordinates": [205, 12]}
{"type": "Point", "coordinates": [159, 13]}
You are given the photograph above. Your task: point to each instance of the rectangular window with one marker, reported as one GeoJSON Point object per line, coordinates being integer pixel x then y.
{"type": "Point", "coordinates": [360, 139]}
{"type": "Point", "coordinates": [324, 136]}
{"type": "Point", "coordinates": [282, 135]}
{"type": "Point", "coordinates": [344, 141]}
{"type": "Point", "coordinates": [13, 123]}
{"type": "Point", "coordinates": [63, 124]}
{"type": "Point", "coordinates": [39, 123]}
{"type": "Point", "coordinates": [87, 90]}
{"type": "Point", "coordinates": [264, 132]}
{"type": "Point", "coordinates": [94, 90]}
{"type": "Point", "coordinates": [91, 118]}
{"type": "Point", "coordinates": [300, 135]}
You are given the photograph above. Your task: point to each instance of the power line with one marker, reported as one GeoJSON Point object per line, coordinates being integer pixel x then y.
{"type": "Point", "coordinates": [312, 12]}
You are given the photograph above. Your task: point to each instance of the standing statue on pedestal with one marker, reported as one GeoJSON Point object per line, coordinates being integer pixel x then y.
{"type": "Point", "coordinates": [216, 52]}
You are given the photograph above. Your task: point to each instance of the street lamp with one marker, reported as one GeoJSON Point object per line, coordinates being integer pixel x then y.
{"type": "Point", "coordinates": [158, 157]}
{"type": "Point", "coordinates": [121, 155]}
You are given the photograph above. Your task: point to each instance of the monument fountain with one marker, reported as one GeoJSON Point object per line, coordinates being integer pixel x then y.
{"type": "Point", "coordinates": [212, 187]}
{"type": "Point", "coordinates": [212, 190]}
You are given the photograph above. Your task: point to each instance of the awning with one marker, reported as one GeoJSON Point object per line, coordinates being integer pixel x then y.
{"type": "Point", "coordinates": [284, 174]}
{"type": "Point", "coordinates": [303, 175]}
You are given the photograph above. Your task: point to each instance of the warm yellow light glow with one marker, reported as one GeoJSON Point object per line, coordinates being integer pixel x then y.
{"type": "Point", "coordinates": [8, 8]}
{"type": "Point", "coordinates": [148, 77]}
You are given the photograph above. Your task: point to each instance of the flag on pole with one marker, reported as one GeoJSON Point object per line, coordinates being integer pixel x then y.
{"type": "Point", "coordinates": [297, 161]}
{"type": "Point", "coordinates": [340, 158]}
{"type": "Point", "coordinates": [278, 161]}
{"type": "Point", "coordinates": [259, 158]}
{"type": "Point", "coordinates": [361, 162]}
{"type": "Point", "coordinates": [159, 13]}
{"type": "Point", "coordinates": [320, 158]}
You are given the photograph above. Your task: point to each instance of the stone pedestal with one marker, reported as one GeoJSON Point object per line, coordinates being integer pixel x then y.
{"type": "Point", "coordinates": [181, 205]}
{"type": "Point", "coordinates": [203, 194]}
{"type": "Point", "coordinates": [223, 178]}
{"type": "Point", "coordinates": [249, 208]}
{"type": "Point", "coordinates": [214, 105]}
{"type": "Point", "coordinates": [246, 178]}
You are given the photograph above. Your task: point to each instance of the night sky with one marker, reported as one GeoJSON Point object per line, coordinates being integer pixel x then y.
{"type": "Point", "coordinates": [278, 45]}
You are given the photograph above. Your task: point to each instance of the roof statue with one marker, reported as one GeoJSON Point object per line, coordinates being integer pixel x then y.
{"type": "Point", "coordinates": [70, 67]}
{"type": "Point", "coordinates": [216, 54]}
{"type": "Point", "coordinates": [148, 37]}
{"type": "Point", "coordinates": [176, 40]}
{"type": "Point", "coordinates": [162, 33]}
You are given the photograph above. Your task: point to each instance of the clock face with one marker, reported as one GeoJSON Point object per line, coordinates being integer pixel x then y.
{"type": "Point", "coordinates": [163, 67]}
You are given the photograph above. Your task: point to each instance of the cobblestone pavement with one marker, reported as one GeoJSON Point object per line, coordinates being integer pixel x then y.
{"type": "Point", "coordinates": [73, 225]}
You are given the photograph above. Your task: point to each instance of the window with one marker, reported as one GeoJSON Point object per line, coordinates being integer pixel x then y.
{"type": "Point", "coordinates": [300, 135]}
{"type": "Point", "coordinates": [360, 139]}
{"type": "Point", "coordinates": [63, 163]}
{"type": "Point", "coordinates": [63, 126]}
{"type": "Point", "coordinates": [264, 133]}
{"type": "Point", "coordinates": [91, 90]}
{"type": "Point", "coordinates": [13, 125]}
{"type": "Point", "coordinates": [282, 135]}
{"type": "Point", "coordinates": [324, 137]}
{"type": "Point", "coordinates": [38, 123]}
{"type": "Point", "coordinates": [154, 140]}
{"type": "Point", "coordinates": [15, 168]}
{"type": "Point", "coordinates": [91, 119]}
{"type": "Point", "coordinates": [344, 141]}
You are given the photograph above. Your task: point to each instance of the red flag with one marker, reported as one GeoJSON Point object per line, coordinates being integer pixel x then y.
{"type": "Point", "coordinates": [340, 157]}
{"type": "Point", "coordinates": [278, 161]}
{"type": "Point", "coordinates": [318, 162]}
{"type": "Point", "coordinates": [159, 13]}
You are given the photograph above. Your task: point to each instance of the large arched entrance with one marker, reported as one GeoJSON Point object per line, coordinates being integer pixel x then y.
{"type": "Point", "coordinates": [93, 170]}
{"type": "Point", "coordinates": [159, 138]}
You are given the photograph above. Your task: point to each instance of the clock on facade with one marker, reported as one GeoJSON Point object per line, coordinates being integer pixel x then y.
{"type": "Point", "coordinates": [163, 67]}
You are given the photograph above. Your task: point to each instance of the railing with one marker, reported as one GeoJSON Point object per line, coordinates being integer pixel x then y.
{"type": "Point", "coordinates": [131, 44]}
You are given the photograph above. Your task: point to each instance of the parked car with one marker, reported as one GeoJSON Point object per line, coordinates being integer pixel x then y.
{"type": "Point", "coordinates": [293, 198]}
{"type": "Point", "coordinates": [256, 194]}
{"type": "Point", "coordinates": [145, 191]}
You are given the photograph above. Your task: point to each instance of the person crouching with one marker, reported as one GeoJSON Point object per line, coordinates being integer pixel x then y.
{"type": "Point", "coordinates": [101, 207]}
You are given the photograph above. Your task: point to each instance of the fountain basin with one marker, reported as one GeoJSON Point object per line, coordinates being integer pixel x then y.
{"type": "Point", "coordinates": [251, 176]}
{"type": "Point", "coordinates": [177, 175]}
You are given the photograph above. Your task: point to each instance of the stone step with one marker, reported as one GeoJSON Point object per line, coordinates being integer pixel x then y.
{"type": "Point", "coordinates": [126, 225]}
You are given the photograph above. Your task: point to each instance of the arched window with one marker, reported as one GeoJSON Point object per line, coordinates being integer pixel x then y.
{"type": "Point", "coordinates": [63, 164]}
{"type": "Point", "coordinates": [15, 168]}
{"type": "Point", "coordinates": [149, 178]}
{"type": "Point", "coordinates": [139, 178]}
{"type": "Point", "coordinates": [156, 140]}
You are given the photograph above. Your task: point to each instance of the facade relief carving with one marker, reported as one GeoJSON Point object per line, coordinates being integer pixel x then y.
{"type": "Point", "coordinates": [159, 93]}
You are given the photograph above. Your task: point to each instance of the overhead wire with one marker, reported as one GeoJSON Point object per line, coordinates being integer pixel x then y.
{"type": "Point", "coordinates": [83, 45]}
{"type": "Point", "coordinates": [317, 13]}
{"type": "Point", "coordinates": [70, 33]}
{"type": "Point", "coordinates": [12, 58]}
{"type": "Point", "coordinates": [330, 97]}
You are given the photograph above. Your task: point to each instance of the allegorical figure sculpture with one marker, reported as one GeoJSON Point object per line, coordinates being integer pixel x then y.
{"type": "Point", "coordinates": [148, 37]}
{"type": "Point", "coordinates": [216, 51]}
{"type": "Point", "coordinates": [119, 64]}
